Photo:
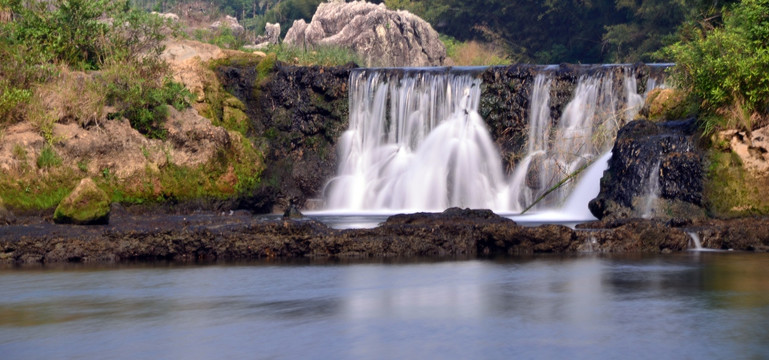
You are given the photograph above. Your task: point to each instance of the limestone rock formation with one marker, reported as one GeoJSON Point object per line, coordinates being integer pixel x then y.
{"type": "Point", "coordinates": [229, 22]}
{"type": "Point", "coordinates": [85, 205]}
{"type": "Point", "coordinates": [655, 171]}
{"type": "Point", "coordinates": [379, 36]}
{"type": "Point", "coordinates": [271, 37]}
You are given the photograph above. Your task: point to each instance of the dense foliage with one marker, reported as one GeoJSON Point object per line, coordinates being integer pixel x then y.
{"type": "Point", "coordinates": [43, 38]}
{"type": "Point", "coordinates": [727, 67]}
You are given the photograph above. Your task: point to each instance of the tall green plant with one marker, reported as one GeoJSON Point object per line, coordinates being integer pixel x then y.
{"type": "Point", "coordinates": [727, 68]}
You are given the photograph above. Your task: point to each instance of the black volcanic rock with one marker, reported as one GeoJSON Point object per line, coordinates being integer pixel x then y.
{"type": "Point", "coordinates": [645, 152]}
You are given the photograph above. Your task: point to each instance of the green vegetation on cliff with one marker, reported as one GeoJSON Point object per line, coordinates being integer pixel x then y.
{"type": "Point", "coordinates": [76, 77]}
{"type": "Point", "coordinates": [726, 68]}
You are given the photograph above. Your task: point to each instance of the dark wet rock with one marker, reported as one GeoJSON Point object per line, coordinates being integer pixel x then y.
{"type": "Point", "coordinates": [238, 235]}
{"type": "Point", "coordinates": [744, 234]}
{"type": "Point", "coordinates": [298, 113]}
{"type": "Point", "coordinates": [85, 205]}
{"type": "Point", "coordinates": [645, 152]}
{"type": "Point", "coordinates": [292, 212]}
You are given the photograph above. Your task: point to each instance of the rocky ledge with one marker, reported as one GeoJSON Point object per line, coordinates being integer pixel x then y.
{"type": "Point", "coordinates": [455, 232]}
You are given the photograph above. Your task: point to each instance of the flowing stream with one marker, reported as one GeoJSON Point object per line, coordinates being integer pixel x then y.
{"type": "Point", "coordinates": [416, 142]}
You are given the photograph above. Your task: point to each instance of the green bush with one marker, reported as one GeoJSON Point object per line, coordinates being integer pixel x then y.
{"type": "Point", "coordinates": [727, 68]}
{"type": "Point", "coordinates": [83, 33]}
{"type": "Point", "coordinates": [140, 91]}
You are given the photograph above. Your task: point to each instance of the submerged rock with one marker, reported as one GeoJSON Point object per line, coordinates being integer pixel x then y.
{"type": "Point", "coordinates": [86, 205]}
{"type": "Point", "coordinates": [655, 171]}
{"type": "Point", "coordinates": [379, 36]}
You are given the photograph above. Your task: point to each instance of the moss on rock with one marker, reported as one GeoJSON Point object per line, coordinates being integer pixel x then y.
{"type": "Point", "coordinates": [667, 104]}
{"type": "Point", "coordinates": [85, 205]}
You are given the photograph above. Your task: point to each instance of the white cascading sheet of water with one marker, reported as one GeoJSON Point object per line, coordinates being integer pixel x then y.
{"type": "Point", "coordinates": [428, 150]}
{"type": "Point", "coordinates": [417, 143]}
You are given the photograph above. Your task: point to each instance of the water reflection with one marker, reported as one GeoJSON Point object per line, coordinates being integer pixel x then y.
{"type": "Point", "coordinates": [678, 306]}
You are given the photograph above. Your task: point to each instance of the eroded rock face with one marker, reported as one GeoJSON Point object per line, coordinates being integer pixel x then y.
{"type": "Point", "coordinates": [381, 37]}
{"type": "Point", "coordinates": [646, 153]}
{"type": "Point", "coordinates": [753, 149]}
{"type": "Point", "coordinates": [85, 205]}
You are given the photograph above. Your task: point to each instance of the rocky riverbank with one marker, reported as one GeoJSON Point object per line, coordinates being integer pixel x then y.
{"type": "Point", "coordinates": [455, 232]}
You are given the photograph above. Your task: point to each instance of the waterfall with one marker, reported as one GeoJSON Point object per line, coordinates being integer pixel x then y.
{"type": "Point", "coordinates": [428, 150]}
{"type": "Point", "coordinates": [416, 142]}
{"type": "Point", "coordinates": [696, 243]}
{"type": "Point", "coordinates": [652, 191]}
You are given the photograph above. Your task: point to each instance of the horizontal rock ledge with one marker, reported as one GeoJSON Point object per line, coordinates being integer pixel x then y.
{"type": "Point", "coordinates": [240, 236]}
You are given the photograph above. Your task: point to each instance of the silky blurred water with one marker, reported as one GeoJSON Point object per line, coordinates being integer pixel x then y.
{"type": "Point", "coordinates": [689, 305]}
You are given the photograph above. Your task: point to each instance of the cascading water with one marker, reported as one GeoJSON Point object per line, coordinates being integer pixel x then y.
{"type": "Point", "coordinates": [652, 191]}
{"type": "Point", "coordinates": [585, 130]}
{"type": "Point", "coordinates": [430, 151]}
{"type": "Point", "coordinates": [417, 143]}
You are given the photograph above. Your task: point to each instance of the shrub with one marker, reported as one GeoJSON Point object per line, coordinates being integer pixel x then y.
{"type": "Point", "coordinates": [140, 92]}
{"type": "Point", "coordinates": [84, 33]}
{"type": "Point", "coordinates": [728, 67]}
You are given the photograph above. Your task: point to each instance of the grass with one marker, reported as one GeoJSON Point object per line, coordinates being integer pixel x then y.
{"type": "Point", "coordinates": [48, 158]}
{"type": "Point", "coordinates": [318, 55]}
{"type": "Point", "coordinates": [38, 192]}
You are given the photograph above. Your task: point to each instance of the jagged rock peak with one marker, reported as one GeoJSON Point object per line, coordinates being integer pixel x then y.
{"type": "Point", "coordinates": [381, 37]}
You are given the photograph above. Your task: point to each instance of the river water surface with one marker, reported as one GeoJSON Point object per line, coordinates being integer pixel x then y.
{"type": "Point", "coordinates": [690, 305]}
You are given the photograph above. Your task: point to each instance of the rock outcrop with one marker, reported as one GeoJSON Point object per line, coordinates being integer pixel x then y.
{"type": "Point", "coordinates": [300, 114]}
{"type": "Point", "coordinates": [655, 171]}
{"type": "Point", "coordinates": [379, 36]}
{"type": "Point", "coordinates": [455, 232]}
{"type": "Point", "coordinates": [229, 22]}
{"type": "Point", "coordinates": [85, 205]}
{"type": "Point", "coordinates": [752, 149]}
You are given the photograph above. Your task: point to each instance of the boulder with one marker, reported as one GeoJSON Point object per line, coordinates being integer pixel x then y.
{"type": "Point", "coordinates": [86, 205]}
{"type": "Point", "coordinates": [655, 171]}
{"type": "Point", "coordinates": [381, 37]}
{"type": "Point", "coordinates": [229, 22]}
